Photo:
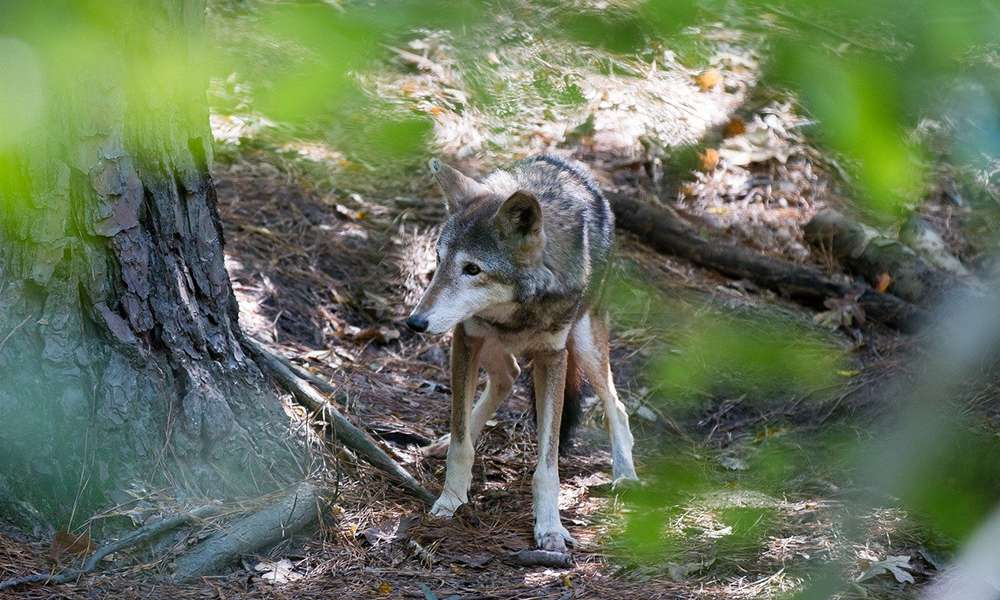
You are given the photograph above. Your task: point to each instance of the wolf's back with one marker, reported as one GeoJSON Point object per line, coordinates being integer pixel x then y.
{"type": "Point", "coordinates": [572, 201]}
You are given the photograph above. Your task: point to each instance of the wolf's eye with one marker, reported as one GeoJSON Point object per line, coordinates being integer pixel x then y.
{"type": "Point", "coordinates": [471, 269]}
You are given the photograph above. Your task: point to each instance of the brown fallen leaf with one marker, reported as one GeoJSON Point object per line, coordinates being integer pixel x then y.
{"type": "Point", "coordinates": [380, 335]}
{"type": "Point", "coordinates": [735, 126]}
{"type": "Point", "coordinates": [709, 79]}
{"type": "Point", "coordinates": [73, 544]}
{"type": "Point", "coordinates": [882, 282]}
{"type": "Point", "coordinates": [708, 159]}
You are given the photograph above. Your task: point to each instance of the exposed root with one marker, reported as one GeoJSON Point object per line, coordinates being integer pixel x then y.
{"type": "Point", "coordinates": [260, 529]}
{"type": "Point", "coordinates": [345, 431]}
{"type": "Point", "coordinates": [143, 534]}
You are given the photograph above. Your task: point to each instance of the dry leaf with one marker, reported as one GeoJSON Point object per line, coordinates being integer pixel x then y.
{"type": "Point", "coordinates": [735, 126]}
{"type": "Point", "coordinates": [897, 566]}
{"type": "Point", "coordinates": [389, 531]}
{"type": "Point", "coordinates": [349, 213]}
{"type": "Point", "coordinates": [882, 282]}
{"type": "Point", "coordinates": [278, 572]}
{"type": "Point", "coordinates": [709, 79]}
{"type": "Point", "coordinates": [709, 159]}
{"type": "Point", "coordinates": [73, 544]}
{"type": "Point", "coordinates": [843, 312]}
{"type": "Point", "coordinates": [758, 146]}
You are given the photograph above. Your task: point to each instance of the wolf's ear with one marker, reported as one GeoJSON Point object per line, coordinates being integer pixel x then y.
{"type": "Point", "coordinates": [520, 220]}
{"type": "Point", "coordinates": [457, 187]}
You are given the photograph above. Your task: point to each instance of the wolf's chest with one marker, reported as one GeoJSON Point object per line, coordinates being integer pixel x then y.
{"type": "Point", "coordinates": [524, 329]}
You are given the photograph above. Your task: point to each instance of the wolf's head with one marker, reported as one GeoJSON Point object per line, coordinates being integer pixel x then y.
{"type": "Point", "coordinates": [492, 238]}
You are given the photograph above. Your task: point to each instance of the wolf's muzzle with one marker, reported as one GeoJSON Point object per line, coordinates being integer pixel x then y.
{"type": "Point", "coordinates": [417, 323]}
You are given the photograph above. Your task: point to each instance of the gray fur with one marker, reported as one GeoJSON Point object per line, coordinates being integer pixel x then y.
{"type": "Point", "coordinates": [578, 229]}
{"type": "Point", "coordinates": [521, 261]}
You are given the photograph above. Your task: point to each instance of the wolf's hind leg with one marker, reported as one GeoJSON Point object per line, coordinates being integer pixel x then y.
{"type": "Point", "coordinates": [590, 343]}
{"type": "Point", "coordinates": [501, 369]}
{"type": "Point", "coordinates": [464, 378]}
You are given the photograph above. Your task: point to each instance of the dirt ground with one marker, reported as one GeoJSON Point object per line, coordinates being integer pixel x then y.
{"type": "Point", "coordinates": [326, 257]}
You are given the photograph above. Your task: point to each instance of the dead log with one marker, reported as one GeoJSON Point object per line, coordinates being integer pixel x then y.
{"type": "Point", "coordinates": [261, 529]}
{"type": "Point", "coordinates": [918, 234]}
{"type": "Point", "coordinates": [663, 229]}
{"type": "Point", "coordinates": [871, 254]}
{"type": "Point", "coordinates": [344, 430]}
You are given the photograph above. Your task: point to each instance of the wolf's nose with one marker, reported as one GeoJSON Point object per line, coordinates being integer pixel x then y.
{"type": "Point", "coordinates": [417, 323]}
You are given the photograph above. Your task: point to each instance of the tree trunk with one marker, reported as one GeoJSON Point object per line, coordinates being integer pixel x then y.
{"type": "Point", "coordinates": [120, 359]}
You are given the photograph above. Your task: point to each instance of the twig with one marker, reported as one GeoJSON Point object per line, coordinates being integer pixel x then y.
{"type": "Point", "coordinates": [321, 384]}
{"type": "Point", "coordinates": [354, 438]}
{"type": "Point", "coordinates": [3, 342]}
{"type": "Point", "coordinates": [421, 62]}
{"type": "Point", "coordinates": [144, 533]}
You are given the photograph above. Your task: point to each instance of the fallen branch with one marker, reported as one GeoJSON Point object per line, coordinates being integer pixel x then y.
{"type": "Point", "coordinates": [143, 534]}
{"type": "Point", "coordinates": [543, 558]}
{"type": "Point", "coordinates": [322, 385]}
{"type": "Point", "coordinates": [866, 251]}
{"type": "Point", "coordinates": [664, 230]}
{"type": "Point", "coordinates": [345, 431]}
{"type": "Point", "coordinates": [264, 528]}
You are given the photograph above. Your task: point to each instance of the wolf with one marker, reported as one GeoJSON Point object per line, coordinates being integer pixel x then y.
{"type": "Point", "coordinates": [522, 261]}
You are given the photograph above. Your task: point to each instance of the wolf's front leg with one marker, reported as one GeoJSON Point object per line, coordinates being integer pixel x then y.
{"type": "Point", "coordinates": [464, 377]}
{"type": "Point", "coordinates": [550, 384]}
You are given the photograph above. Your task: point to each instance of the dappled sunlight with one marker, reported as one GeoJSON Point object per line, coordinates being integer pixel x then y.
{"type": "Point", "coordinates": [793, 434]}
{"type": "Point", "coordinates": [252, 292]}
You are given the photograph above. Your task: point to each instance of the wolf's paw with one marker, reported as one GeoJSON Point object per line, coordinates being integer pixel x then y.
{"type": "Point", "coordinates": [438, 449]}
{"type": "Point", "coordinates": [554, 540]}
{"type": "Point", "coordinates": [447, 504]}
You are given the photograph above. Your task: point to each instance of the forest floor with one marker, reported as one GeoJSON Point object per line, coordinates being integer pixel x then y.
{"type": "Point", "coordinates": [327, 253]}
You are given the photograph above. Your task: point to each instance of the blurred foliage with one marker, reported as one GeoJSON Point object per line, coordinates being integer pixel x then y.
{"type": "Point", "coordinates": [720, 355]}
{"type": "Point", "coordinates": [711, 353]}
{"type": "Point", "coordinates": [959, 484]}
{"type": "Point", "coordinates": [868, 71]}
{"type": "Point", "coordinates": [743, 497]}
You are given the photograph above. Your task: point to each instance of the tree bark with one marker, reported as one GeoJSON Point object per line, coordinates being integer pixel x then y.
{"type": "Point", "coordinates": [120, 362]}
{"type": "Point", "coordinates": [661, 228]}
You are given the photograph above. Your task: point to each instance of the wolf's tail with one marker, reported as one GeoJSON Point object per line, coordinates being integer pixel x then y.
{"type": "Point", "coordinates": [572, 409]}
